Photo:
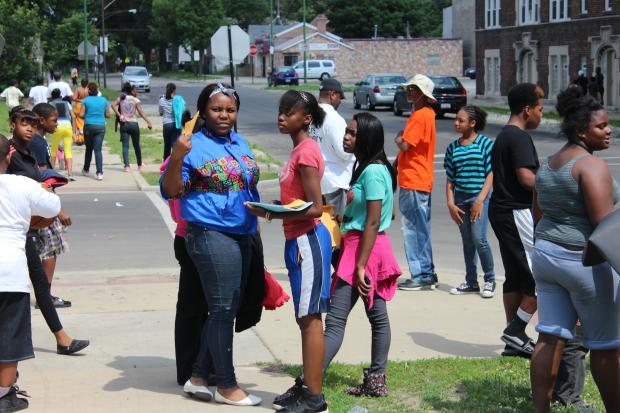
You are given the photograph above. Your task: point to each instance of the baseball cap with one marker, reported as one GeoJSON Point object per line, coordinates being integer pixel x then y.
{"type": "Point", "coordinates": [331, 84]}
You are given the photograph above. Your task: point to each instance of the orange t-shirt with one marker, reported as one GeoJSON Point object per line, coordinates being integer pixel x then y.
{"type": "Point", "coordinates": [415, 167]}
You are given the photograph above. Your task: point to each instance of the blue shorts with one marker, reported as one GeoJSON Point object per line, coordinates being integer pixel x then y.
{"type": "Point", "coordinates": [568, 291]}
{"type": "Point", "coordinates": [308, 260]}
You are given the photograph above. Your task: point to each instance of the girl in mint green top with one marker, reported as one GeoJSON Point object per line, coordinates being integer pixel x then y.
{"type": "Point", "coordinates": [367, 267]}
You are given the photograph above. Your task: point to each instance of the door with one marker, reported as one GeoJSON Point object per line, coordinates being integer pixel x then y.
{"type": "Point", "coordinates": [607, 59]}
{"type": "Point", "coordinates": [314, 69]}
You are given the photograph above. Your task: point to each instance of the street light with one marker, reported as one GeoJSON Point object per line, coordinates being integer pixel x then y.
{"type": "Point", "coordinates": [103, 36]}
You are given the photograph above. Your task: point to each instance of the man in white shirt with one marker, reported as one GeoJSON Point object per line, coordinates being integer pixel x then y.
{"type": "Point", "coordinates": [37, 94]}
{"type": "Point", "coordinates": [12, 95]}
{"type": "Point", "coordinates": [65, 89]}
{"type": "Point", "coordinates": [338, 163]}
{"type": "Point", "coordinates": [20, 198]}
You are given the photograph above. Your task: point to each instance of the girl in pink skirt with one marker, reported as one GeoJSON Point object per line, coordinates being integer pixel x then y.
{"type": "Point", "coordinates": [367, 266]}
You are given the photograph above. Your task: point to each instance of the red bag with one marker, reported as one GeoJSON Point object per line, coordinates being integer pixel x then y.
{"type": "Point", "coordinates": [275, 296]}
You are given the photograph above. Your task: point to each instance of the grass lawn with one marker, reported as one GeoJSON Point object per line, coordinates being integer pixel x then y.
{"type": "Point", "coordinates": [308, 87]}
{"type": "Point", "coordinates": [456, 385]}
{"type": "Point", "coordinates": [151, 143]}
{"type": "Point", "coordinates": [547, 114]}
{"type": "Point", "coordinates": [187, 76]}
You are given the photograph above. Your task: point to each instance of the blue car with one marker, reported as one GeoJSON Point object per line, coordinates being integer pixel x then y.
{"type": "Point", "coordinates": [284, 75]}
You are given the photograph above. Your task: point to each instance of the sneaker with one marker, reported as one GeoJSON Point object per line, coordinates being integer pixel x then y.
{"type": "Point", "coordinates": [306, 403]}
{"type": "Point", "coordinates": [288, 396]}
{"type": "Point", "coordinates": [11, 403]}
{"type": "Point", "coordinates": [85, 172]}
{"type": "Point", "coordinates": [100, 177]}
{"type": "Point", "coordinates": [489, 289]}
{"type": "Point", "coordinates": [60, 303]}
{"type": "Point", "coordinates": [511, 352]}
{"type": "Point", "coordinates": [465, 288]}
{"type": "Point", "coordinates": [434, 279]}
{"type": "Point", "coordinates": [519, 341]}
{"type": "Point", "coordinates": [411, 285]}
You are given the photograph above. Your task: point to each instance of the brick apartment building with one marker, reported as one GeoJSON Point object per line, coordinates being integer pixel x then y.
{"type": "Point", "coordinates": [547, 42]}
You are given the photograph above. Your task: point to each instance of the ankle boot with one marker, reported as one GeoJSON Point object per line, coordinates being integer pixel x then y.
{"type": "Point", "coordinates": [374, 385]}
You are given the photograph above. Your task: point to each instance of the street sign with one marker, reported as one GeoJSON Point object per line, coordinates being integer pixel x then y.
{"type": "Point", "coordinates": [90, 48]}
{"type": "Point", "coordinates": [253, 50]}
{"type": "Point", "coordinates": [240, 42]}
{"type": "Point", "coordinates": [103, 44]}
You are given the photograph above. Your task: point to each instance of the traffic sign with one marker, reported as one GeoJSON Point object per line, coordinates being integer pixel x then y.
{"type": "Point", "coordinates": [240, 42]}
{"type": "Point", "coordinates": [90, 48]}
{"type": "Point", "coordinates": [253, 50]}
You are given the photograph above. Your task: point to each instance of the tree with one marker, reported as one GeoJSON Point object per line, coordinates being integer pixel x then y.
{"type": "Point", "coordinates": [21, 27]}
{"type": "Point", "coordinates": [357, 19]}
{"type": "Point", "coordinates": [246, 12]}
{"type": "Point", "coordinates": [63, 39]}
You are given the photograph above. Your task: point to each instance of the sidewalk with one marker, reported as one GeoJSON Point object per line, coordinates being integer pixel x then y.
{"type": "Point", "coordinates": [129, 366]}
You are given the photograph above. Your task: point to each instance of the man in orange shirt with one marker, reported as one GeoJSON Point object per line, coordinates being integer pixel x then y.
{"type": "Point", "coordinates": [416, 155]}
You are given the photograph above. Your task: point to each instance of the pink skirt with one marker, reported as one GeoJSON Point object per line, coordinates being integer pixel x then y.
{"type": "Point", "coordinates": [381, 268]}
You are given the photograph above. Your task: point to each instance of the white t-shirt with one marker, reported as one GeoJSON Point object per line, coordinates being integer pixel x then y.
{"type": "Point", "coordinates": [20, 198]}
{"type": "Point", "coordinates": [12, 96]}
{"type": "Point", "coordinates": [65, 89]}
{"type": "Point", "coordinates": [38, 94]}
{"type": "Point", "coordinates": [338, 163]}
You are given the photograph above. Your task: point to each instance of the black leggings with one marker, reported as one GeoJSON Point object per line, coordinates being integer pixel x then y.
{"type": "Point", "coordinates": [131, 130]}
{"type": "Point", "coordinates": [41, 286]}
{"type": "Point", "coordinates": [191, 313]}
{"type": "Point", "coordinates": [343, 300]}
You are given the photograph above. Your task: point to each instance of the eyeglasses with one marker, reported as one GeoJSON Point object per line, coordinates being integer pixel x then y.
{"type": "Point", "coordinates": [219, 88]}
{"type": "Point", "coordinates": [351, 132]}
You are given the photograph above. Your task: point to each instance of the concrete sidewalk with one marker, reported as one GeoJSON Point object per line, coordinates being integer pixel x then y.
{"type": "Point", "coordinates": [129, 318]}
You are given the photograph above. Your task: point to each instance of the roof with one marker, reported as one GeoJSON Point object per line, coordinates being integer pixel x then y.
{"type": "Point", "coordinates": [299, 39]}
{"type": "Point", "coordinates": [262, 31]}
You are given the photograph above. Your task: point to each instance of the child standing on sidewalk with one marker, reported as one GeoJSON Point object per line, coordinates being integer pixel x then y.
{"type": "Point", "coordinates": [469, 180]}
{"type": "Point", "coordinates": [307, 251]}
{"type": "Point", "coordinates": [20, 198]}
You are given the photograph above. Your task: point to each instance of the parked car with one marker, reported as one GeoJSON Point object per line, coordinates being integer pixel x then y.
{"type": "Point", "coordinates": [377, 89]}
{"type": "Point", "coordinates": [137, 76]}
{"type": "Point", "coordinates": [450, 94]}
{"type": "Point", "coordinates": [470, 72]}
{"type": "Point", "coordinates": [316, 69]}
{"type": "Point", "coordinates": [283, 75]}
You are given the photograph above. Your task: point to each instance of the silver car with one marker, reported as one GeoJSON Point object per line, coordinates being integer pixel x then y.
{"type": "Point", "coordinates": [377, 89]}
{"type": "Point", "coordinates": [137, 76]}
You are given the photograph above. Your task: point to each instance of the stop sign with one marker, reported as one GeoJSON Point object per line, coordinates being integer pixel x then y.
{"type": "Point", "coordinates": [240, 44]}
{"type": "Point", "coordinates": [253, 50]}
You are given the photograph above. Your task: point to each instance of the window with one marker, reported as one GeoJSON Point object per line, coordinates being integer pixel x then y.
{"type": "Point", "coordinates": [492, 9]}
{"type": "Point", "coordinates": [584, 6]}
{"type": "Point", "coordinates": [608, 5]}
{"type": "Point", "coordinates": [492, 74]}
{"type": "Point", "coordinates": [558, 10]}
{"type": "Point", "coordinates": [314, 64]}
{"type": "Point", "coordinates": [558, 69]}
{"type": "Point", "coordinates": [528, 11]}
{"type": "Point", "coordinates": [327, 63]}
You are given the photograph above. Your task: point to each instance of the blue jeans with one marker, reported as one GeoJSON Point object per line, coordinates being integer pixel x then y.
{"type": "Point", "coordinates": [474, 237]}
{"type": "Point", "coordinates": [415, 207]}
{"type": "Point", "coordinates": [131, 130]}
{"type": "Point", "coordinates": [223, 263]}
{"type": "Point", "coordinates": [93, 139]}
{"type": "Point", "coordinates": [171, 133]}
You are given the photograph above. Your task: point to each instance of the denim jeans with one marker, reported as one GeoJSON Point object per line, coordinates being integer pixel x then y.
{"type": "Point", "coordinates": [222, 261]}
{"type": "Point", "coordinates": [474, 237]}
{"type": "Point", "coordinates": [131, 130]}
{"type": "Point", "coordinates": [415, 207]}
{"type": "Point", "coordinates": [93, 139]}
{"type": "Point", "coordinates": [171, 133]}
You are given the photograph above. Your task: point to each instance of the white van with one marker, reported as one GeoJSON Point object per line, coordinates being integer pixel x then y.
{"type": "Point", "coordinates": [316, 69]}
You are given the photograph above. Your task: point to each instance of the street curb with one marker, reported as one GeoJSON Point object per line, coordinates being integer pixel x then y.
{"type": "Point", "coordinates": [141, 182]}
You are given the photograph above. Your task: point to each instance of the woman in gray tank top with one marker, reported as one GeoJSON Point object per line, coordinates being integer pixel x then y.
{"type": "Point", "coordinates": [574, 192]}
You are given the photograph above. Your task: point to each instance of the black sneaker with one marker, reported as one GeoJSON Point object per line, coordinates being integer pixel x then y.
{"type": "Point", "coordinates": [411, 285]}
{"type": "Point", "coordinates": [465, 288]}
{"type": "Point", "coordinates": [288, 396]}
{"type": "Point", "coordinates": [306, 402]}
{"type": "Point", "coordinates": [434, 279]}
{"type": "Point", "coordinates": [11, 403]}
{"type": "Point", "coordinates": [511, 352]}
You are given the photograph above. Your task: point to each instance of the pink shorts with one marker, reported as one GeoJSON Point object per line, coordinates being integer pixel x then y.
{"type": "Point", "coordinates": [382, 267]}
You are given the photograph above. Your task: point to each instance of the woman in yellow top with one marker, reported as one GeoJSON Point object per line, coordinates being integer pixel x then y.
{"type": "Point", "coordinates": [78, 95]}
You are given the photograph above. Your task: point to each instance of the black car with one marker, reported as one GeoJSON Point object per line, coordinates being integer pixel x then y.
{"type": "Point", "coordinates": [470, 72]}
{"type": "Point", "coordinates": [450, 94]}
{"type": "Point", "coordinates": [283, 75]}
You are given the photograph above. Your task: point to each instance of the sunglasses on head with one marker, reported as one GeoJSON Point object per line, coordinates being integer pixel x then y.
{"type": "Point", "coordinates": [220, 88]}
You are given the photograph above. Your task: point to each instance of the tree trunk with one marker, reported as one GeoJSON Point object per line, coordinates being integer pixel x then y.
{"type": "Point", "coordinates": [202, 61]}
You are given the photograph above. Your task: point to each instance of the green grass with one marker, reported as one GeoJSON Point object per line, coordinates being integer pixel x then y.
{"type": "Point", "coordinates": [496, 385]}
{"type": "Point", "coordinates": [308, 87]}
{"type": "Point", "coordinates": [152, 178]}
{"type": "Point", "coordinates": [187, 76]}
{"type": "Point", "coordinates": [546, 114]}
{"type": "Point", "coordinates": [151, 144]}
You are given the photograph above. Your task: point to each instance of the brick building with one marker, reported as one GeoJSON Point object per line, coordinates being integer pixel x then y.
{"type": "Point", "coordinates": [547, 42]}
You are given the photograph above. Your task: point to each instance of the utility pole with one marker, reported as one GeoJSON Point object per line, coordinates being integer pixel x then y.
{"type": "Point", "coordinates": [305, 46]}
{"type": "Point", "coordinates": [271, 33]}
{"type": "Point", "coordinates": [375, 32]}
{"type": "Point", "coordinates": [104, 45]}
{"type": "Point", "coordinates": [86, 38]}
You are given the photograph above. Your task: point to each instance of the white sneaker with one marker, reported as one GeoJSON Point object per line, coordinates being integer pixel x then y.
{"type": "Point", "coordinates": [99, 177]}
{"type": "Point", "coordinates": [198, 391]}
{"type": "Point", "coordinates": [489, 289]}
{"type": "Point", "coordinates": [249, 400]}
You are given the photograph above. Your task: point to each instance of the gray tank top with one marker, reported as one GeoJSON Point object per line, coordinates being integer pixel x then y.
{"type": "Point", "coordinates": [565, 217]}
